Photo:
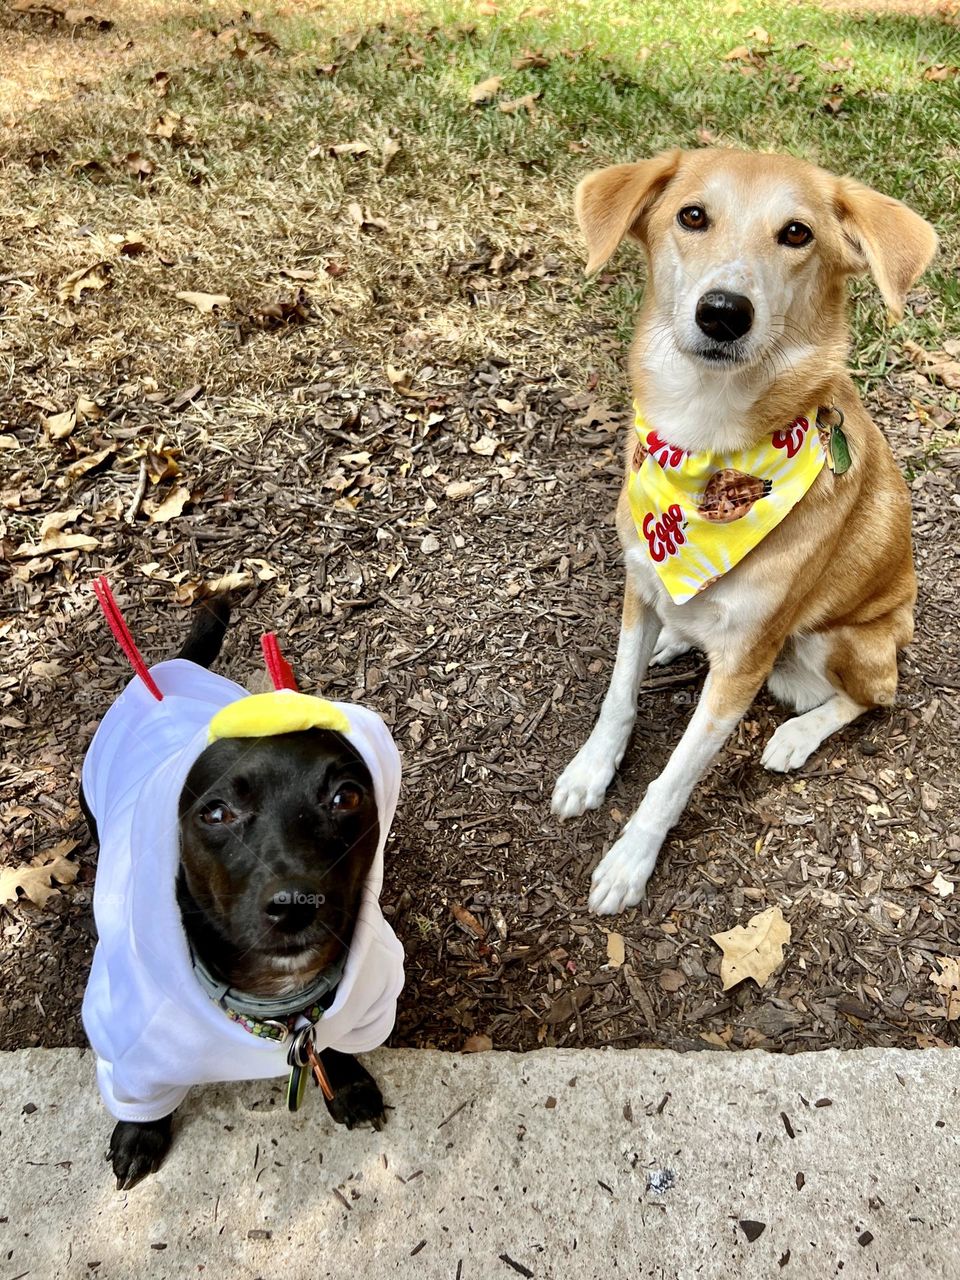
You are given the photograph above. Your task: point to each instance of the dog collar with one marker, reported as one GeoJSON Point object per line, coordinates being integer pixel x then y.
{"type": "Point", "coordinates": [272, 1017]}
{"type": "Point", "coordinates": [699, 514]}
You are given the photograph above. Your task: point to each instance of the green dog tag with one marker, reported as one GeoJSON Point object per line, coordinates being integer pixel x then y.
{"type": "Point", "coordinates": [296, 1084]}
{"type": "Point", "coordinates": [839, 452]}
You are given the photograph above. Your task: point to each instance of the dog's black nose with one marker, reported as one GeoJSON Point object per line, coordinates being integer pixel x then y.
{"type": "Point", "coordinates": [292, 908]}
{"type": "Point", "coordinates": [724, 316]}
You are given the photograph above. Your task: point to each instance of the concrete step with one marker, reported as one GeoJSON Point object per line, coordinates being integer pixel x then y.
{"type": "Point", "coordinates": [559, 1164]}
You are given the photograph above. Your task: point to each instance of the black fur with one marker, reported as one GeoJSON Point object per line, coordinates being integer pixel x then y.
{"type": "Point", "coordinates": [272, 865]}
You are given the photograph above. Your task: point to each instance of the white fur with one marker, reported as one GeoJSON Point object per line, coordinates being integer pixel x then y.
{"type": "Point", "coordinates": [797, 739]}
{"type": "Point", "coordinates": [799, 678]}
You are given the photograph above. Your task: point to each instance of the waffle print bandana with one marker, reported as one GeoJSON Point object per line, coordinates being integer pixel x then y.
{"type": "Point", "coordinates": [699, 514]}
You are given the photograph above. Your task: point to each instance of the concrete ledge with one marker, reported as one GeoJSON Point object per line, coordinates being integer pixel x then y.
{"type": "Point", "coordinates": [564, 1164]}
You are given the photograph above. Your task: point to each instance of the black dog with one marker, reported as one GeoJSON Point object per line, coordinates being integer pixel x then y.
{"type": "Point", "coordinates": [277, 837]}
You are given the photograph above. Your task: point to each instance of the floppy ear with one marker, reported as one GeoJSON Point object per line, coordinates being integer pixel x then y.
{"type": "Point", "coordinates": [885, 237]}
{"type": "Point", "coordinates": [610, 203]}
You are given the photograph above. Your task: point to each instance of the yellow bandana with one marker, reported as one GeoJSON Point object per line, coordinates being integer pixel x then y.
{"type": "Point", "coordinates": [285, 711]}
{"type": "Point", "coordinates": [699, 514]}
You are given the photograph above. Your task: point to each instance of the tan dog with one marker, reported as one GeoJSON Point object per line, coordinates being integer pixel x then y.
{"type": "Point", "coordinates": [743, 329]}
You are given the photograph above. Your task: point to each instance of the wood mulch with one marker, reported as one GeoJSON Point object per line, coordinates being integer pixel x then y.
{"type": "Point", "coordinates": [448, 556]}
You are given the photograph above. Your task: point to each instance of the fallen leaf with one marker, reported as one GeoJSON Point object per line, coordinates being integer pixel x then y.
{"type": "Point", "coordinates": [349, 149]}
{"type": "Point", "coordinates": [94, 277]}
{"type": "Point", "coordinates": [298, 273]}
{"type": "Point", "coordinates": [162, 81]}
{"type": "Point", "coordinates": [672, 979]}
{"type": "Point", "coordinates": [948, 981]}
{"type": "Point", "coordinates": [162, 464]}
{"type": "Point", "coordinates": [430, 544]}
{"type": "Point", "coordinates": [57, 520]}
{"type": "Point", "coordinates": [171, 507]}
{"type": "Point", "coordinates": [88, 410]}
{"type": "Point", "coordinates": [284, 311]}
{"type": "Point", "coordinates": [60, 425]}
{"type": "Point", "coordinates": [941, 72]}
{"type": "Point", "coordinates": [486, 446]}
{"type": "Point", "coordinates": [55, 539]}
{"type": "Point", "coordinates": [86, 18]}
{"type": "Point", "coordinates": [615, 950]}
{"type": "Point", "coordinates": [526, 103]}
{"type": "Point", "coordinates": [205, 302]}
{"type": "Point", "coordinates": [740, 54]}
{"type": "Point", "coordinates": [190, 592]}
{"type": "Point", "coordinates": [138, 165]}
{"type": "Point", "coordinates": [38, 879]}
{"type": "Point", "coordinates": [754, 950]}
{"type": "Point", "coordinates": [467, 919]}
{"type": "Point", "coordinates": [530, 58]}
{"type": "Point", "coordinates": [483, 93]}
{"type": "Point", "coordinates": [937, 366]}
{"type": "Point", "coordinates": [265, 572]}
{"type": "Point", "coordinates": [390, 149]}
{"type": "Point", "coordinates": [477, 1044]}
{"type": "Point", "coordinates": [365, 219]}
{"type": "Point", "coordinates": [458, 489]}
{"type": "Point", "coordinates": [402, 383]}
{"type": "Point", "coordinates": [941, 886]}
{"type": "Point", "coordinates": [85, 465]}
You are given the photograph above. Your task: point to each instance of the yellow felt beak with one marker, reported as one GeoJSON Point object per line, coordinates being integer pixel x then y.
{"type": "Point", "coordinates": [264, 715]}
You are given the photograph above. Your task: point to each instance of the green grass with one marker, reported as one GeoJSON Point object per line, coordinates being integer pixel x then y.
{"type": "Point", "coordinates": [252, 183]}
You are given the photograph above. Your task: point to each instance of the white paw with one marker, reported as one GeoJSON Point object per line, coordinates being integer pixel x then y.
{"type": "Point", "coordinates": [583, 783]}
{"type": "Point", "coordinates": [670, 646]}
{"type": "Point", "coordinates": [789, 747]}
{"type": "Point", "coordinates": [621, 878]}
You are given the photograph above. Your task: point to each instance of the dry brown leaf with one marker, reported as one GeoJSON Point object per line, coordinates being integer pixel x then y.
{"type": "Point", "coordinates": [938, 366]}
{"type": "Point", "coordinates": [486, 446]}
{"type": "Point", "coordinates": [171, 507]}
{"type": "Point", "coordinates": [262, 568]}
{"type": "Point", "coordinates": [190, 592]}
{"type": "Point", "coordinates": [467, 919]}
{"type": "Point", "coordinates": [86, 18]}
{"type": "Point", "coordinates": [365, 219]}
{"type": "Point", "coordinates": [166, 125]}
{"type": "Point", "coordinates": [56, 541]}
{"type": "Point", "coordinates": [530, 58]}
{"type": "Point", "coordinates": [477, 1044]}
{"type": "Point", "coordinates": [60, 425]}
{"type": "Point", "coordinates": [484, 93]}
{"type": "Point", "coordinates": [388, 151]}
{"type": "Point", "coordinates": [88, 410]}
{"type": "Point", "coordinates": [349, 149]}
{"type": "Point", "coordinates": [672, 979]}
{"type": "Point", "coordinates": [37, 878]}
{"type": "Point", "coordinates": [298, 273]}
{"type": "Point", "coordinates": [948, 982]}
{"type": "Point", "coordinates": [58, 519]}
{"type": "Point", "coordinates": [162, 464]}
{"type": "Point", "coordinates": [940, 72]}
{"type": "Point", "coordinates": [205, 302]}
{"type": "Point", "coordinates": [85, 465]}
{"type": "Point", "coordinates": [740, 54]}
{"type": "Point", "coordinates": [616, 953]}
{"type": "Point", "coordinates": [96, 276]}
{"type": "Point", "coordinates": [138, 165]}
{"type": "Point", "coordinates": [753, 950]}
{"type": "Point", "coordinates": [458, 489]}
{"type": "Point", "coordinates": [526, 103]}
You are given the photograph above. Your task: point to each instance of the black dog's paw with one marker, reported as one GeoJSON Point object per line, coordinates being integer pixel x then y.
{"type": "Point", "coordinates": [358, 1102]}
{"type": "Point", "coordinates": [137, 1149]}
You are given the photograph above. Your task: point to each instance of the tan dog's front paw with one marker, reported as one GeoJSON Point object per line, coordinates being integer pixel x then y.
{"type": "Point", "coordinates": [621, 878]}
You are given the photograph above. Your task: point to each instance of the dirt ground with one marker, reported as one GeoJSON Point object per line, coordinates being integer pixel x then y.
{"type": "Point", "coordinates": [427, 524]}
{"type": "Point", "coordinates": [482, 627]}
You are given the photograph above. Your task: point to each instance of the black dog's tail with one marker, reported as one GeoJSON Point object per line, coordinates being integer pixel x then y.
{"type": "Point", "coordinates": [203, 644]}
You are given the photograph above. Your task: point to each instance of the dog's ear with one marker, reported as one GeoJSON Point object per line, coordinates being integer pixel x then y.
{"type": "Point", "coordinates": [611, 203]}
{"type": "Point", "coordinates": [883, 236]}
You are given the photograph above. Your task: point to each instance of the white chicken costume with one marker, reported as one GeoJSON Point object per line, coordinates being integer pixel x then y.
{"type": "Point", "coordinates": [154, 1028]}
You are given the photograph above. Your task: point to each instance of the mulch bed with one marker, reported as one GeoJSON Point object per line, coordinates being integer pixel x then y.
{"type": "Point", "coordinates": [451, 561]}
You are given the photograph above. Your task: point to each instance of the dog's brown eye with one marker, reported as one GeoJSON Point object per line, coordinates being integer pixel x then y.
{"type": "Point", "coordinates": [347, 798]}
{"type": "Point", "coordinates": [796, 235]}
{"type": "Point", "coordinates": [217, 815]}
{"type": "Point", "coordinates": [693, 217]}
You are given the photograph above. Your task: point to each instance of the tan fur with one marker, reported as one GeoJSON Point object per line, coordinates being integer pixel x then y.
{"type": "Point", "coordinates": [822, 604]}
{"type": "Point", "coordinates": [845, 549]}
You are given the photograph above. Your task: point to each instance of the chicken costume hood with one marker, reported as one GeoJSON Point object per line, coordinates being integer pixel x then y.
{"type": "Point", "coordinates": [154, 1028]}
